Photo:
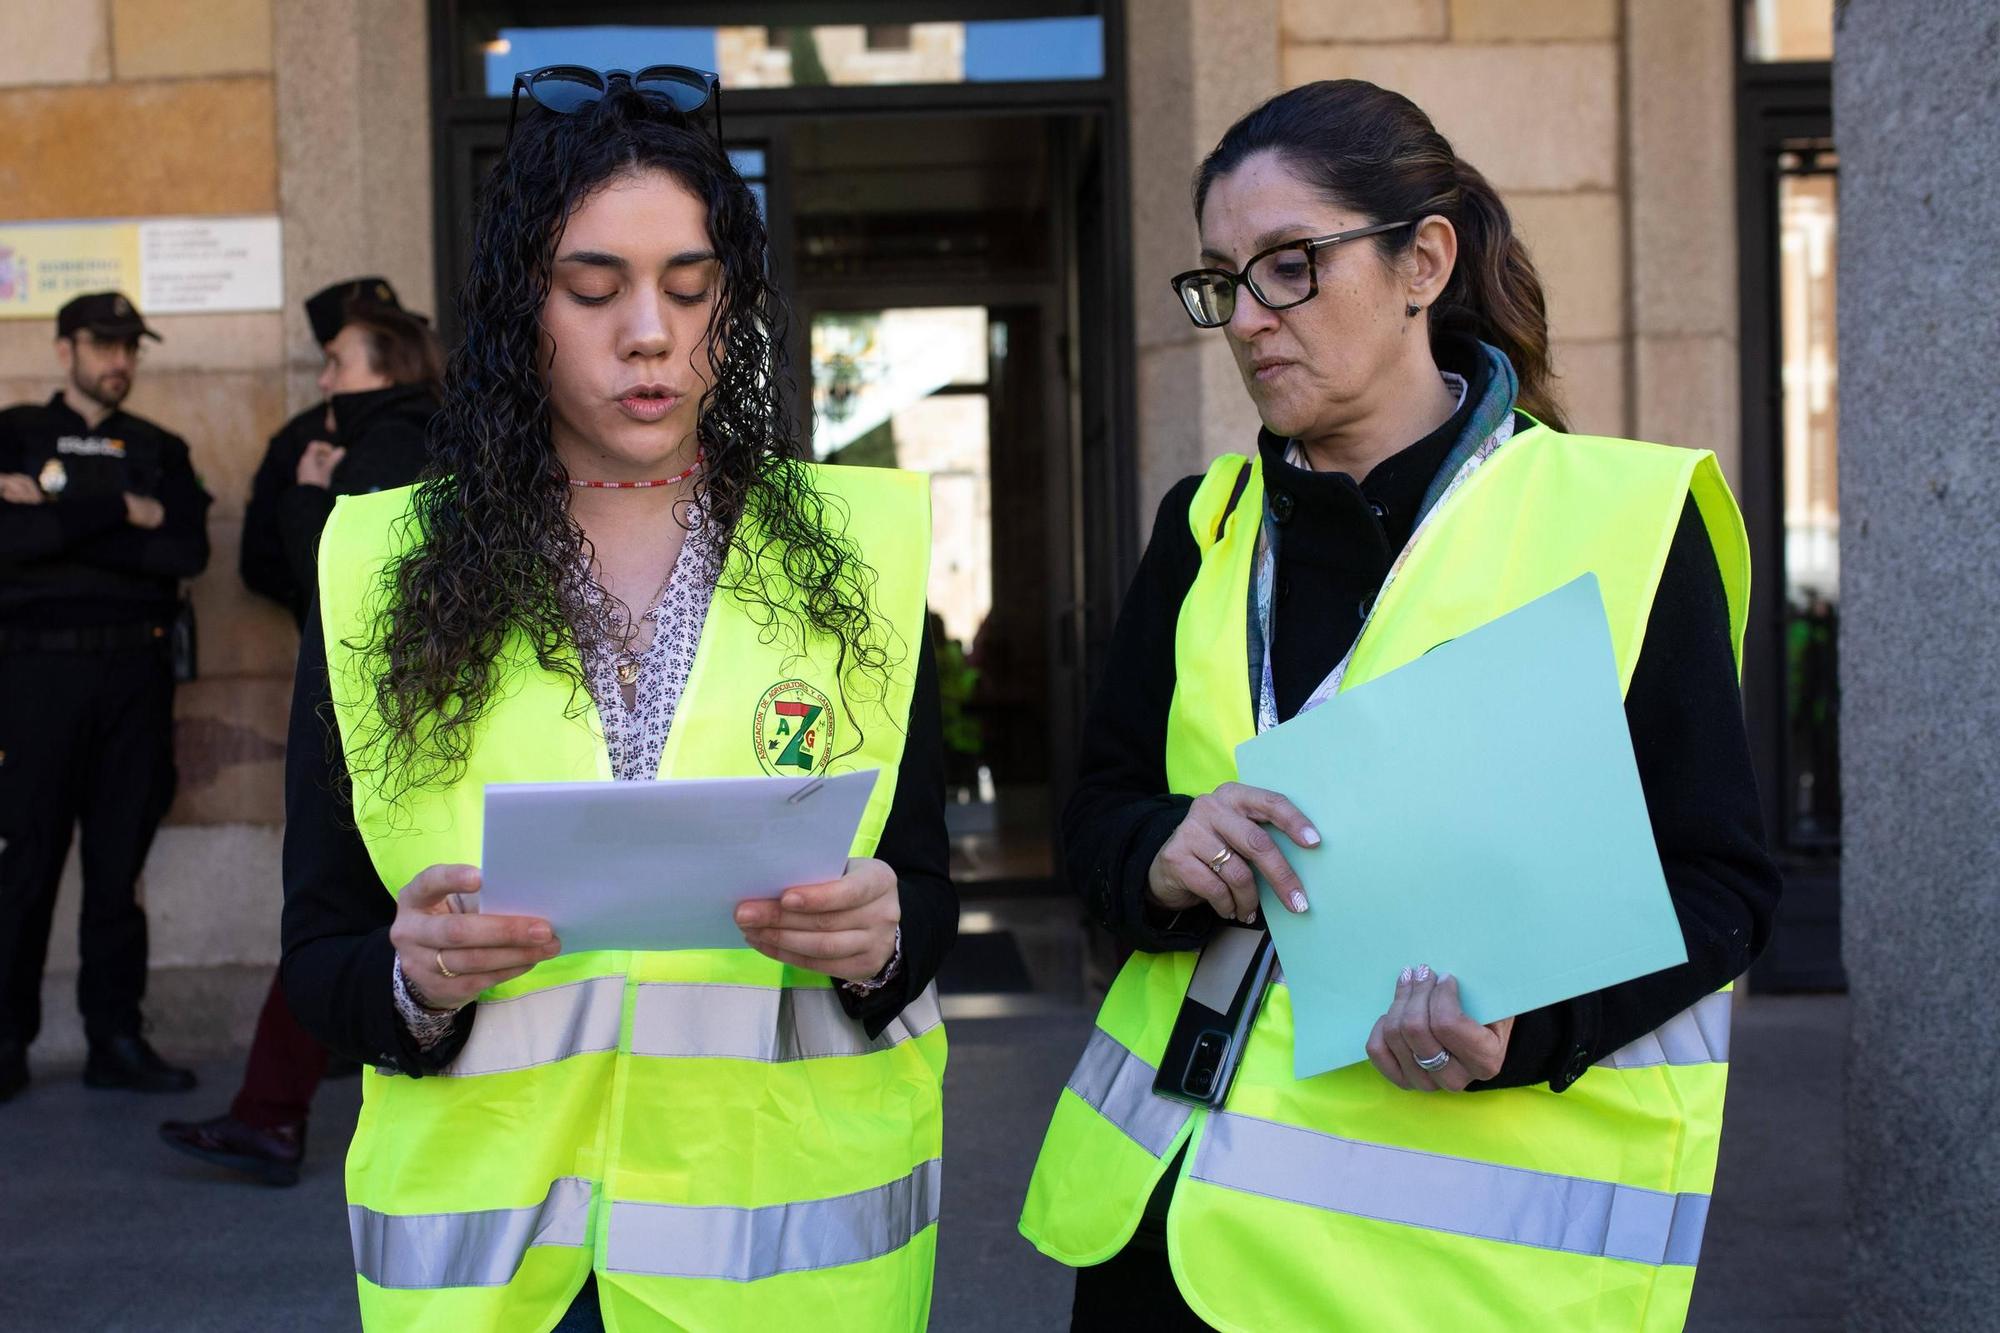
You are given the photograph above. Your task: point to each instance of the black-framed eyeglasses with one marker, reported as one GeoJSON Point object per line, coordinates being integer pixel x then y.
{"type": "Point", "coordinates": [1279, 278]}
{"type": "Point", "coordinates": [567, 89]}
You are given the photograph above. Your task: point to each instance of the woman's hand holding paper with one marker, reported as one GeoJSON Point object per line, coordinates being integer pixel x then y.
{"type": "Point", "coordinates": [1425, 1021]}
{"type": "Point", "coordinates": [1214, 855]}
{"type": "Point", "coordinates": [451, 953]}
{"type": "Point", "coordinates": [845, 928]}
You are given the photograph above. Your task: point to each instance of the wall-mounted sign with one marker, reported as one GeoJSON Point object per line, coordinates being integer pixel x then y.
{"type": "Point", "coordinates": [168, 266]}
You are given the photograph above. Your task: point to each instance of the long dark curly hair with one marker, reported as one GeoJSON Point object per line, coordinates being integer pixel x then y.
{"type": "Point", "coordinates": [496, 551]}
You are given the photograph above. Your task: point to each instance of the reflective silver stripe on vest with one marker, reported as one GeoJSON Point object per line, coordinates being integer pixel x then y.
{"type": "Point", "coordinates": [542, 1027]}
{"type": "Point", "coordinates": [482, 1249]}
{"type": "Point", "coordinates": [1450, 1194]}
{"type": "Point", "coordinates": [745, 1244]}
{"type": "Point", "coordinates": [697, 1019]}
{"type": "Point", "coordinates": [1119, 1086]}
{"type": "Point", "coordinates": [1697, 1035]}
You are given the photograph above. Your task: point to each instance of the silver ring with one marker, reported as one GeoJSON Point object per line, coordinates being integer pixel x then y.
{"type": "Point", "coordinates": [1220, 859]}
{"type": "Point", "coordinates": [1435, 1063]}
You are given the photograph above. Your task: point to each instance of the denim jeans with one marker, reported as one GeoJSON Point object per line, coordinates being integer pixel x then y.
{"type": "Point", "coordinates": [582, 1315]}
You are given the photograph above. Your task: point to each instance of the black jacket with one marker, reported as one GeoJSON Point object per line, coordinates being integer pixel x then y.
{"type": "Point", "coordinates": [1339, 538]}
{"type": "Point", "coordinates": [385, 433]}
{"type": "Point", "coordinates": [75, 560]}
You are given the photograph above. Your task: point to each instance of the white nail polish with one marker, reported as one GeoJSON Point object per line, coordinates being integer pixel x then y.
{"type": "Point", "coordinates": [1298, 902]}
{"type": "Point", "coordinates": [1407, 975]}
{"type": "Point", "coordinates": [1423, 971]}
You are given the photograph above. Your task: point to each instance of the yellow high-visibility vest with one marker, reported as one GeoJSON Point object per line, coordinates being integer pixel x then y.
{"type": "Point", "coordinates": [1340, 1201]}
{"type": "Point", "coordinates": [706, 1130]}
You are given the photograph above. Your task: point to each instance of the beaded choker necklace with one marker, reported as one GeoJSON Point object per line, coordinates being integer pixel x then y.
{"type": "Point", "coordinates": [677, 478]}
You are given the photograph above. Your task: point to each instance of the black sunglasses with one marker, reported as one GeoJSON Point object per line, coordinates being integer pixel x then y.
{"type": "Point", "coordinates": [1280, 277]}
{"type": "Point", "coordinates": [567, 89]}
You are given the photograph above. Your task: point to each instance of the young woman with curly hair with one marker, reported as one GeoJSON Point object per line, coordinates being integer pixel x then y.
{"type": "Point", "coordinates": [621, 566]}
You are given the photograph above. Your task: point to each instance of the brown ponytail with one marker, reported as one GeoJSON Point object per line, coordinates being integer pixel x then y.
{"type": "Point", "coordinates": [1495, 295]}
{"type": "Point", "coordinates": [1377, 153]}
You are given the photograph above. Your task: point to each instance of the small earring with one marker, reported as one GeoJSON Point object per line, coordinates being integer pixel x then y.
{"type": "Point", "coordinates": [1412, 310]}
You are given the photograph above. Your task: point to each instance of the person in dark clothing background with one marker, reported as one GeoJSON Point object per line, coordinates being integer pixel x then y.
{"type": "Point", "coordinates": [383, 369]}
{"type": "Point", "coordinates": [264, 561]}
{"type": "Point", "coordinates": [101, 517]}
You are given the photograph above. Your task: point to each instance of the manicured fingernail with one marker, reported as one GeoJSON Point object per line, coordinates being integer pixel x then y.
{"type": "Point", "coordinates": [1250, 920]}
{"type": "Point", "coordinates": [1423, 971]}
{"type": "Point", "coordinates": [1298, 902]}
{"type": "Point", "coordinates": [1309, 836]}
{"type": "Point", "coordinates": [540, 934]}
{"type": "Point", "coordinates": [1407, 975]}
{"type": "Point", "coordinates": [1443, 977]}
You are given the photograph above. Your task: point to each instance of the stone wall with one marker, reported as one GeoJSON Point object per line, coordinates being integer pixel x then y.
{"type": "Point", "coordinates": [1194, 66]}
{"type": "Point", "coordinates": [1917, 103]}
{"type": "Point", "coordinates": [1607, 125]}
{"type": "Point", "coordinates": [135, 108]}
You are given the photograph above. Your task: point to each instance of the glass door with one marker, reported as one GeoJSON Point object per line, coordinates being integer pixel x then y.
{"type": "Point", "coordinates": [1809, 441]}
{"type": "Point", "coordinates": [938, 390]}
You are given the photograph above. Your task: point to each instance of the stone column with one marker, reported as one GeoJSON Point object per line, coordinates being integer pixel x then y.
{"type": "Point", "coordinates": [1680, 155]}
{"type": "Point", "coordinates": [1193, 67]}
{"type": "Point", "coordinates": [1917, 112]}
{"type": "Point", "coordinates": [354, 156]}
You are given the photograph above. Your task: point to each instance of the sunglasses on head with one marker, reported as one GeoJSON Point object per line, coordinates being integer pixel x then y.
{"type": "Point", "coordinates": [567, 89]}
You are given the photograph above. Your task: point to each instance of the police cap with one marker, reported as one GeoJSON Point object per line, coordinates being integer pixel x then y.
{"type": "Point", "coordinates": [108, 315]}
{"type": "Point", "coordinates": [326, 310]}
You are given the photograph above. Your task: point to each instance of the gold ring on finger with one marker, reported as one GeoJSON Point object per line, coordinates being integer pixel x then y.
{"type": "Point", "coordinates": [1220, 859]}
{"type": "Point", "coordinates": [444, 971]}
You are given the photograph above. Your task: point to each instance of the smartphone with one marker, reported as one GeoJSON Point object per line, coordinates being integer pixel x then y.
{"type": "Point", "coordinates": [1215, 1017]}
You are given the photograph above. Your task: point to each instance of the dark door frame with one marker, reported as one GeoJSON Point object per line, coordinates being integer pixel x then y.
{"type": "Point", "coordinates": [1780, 105]}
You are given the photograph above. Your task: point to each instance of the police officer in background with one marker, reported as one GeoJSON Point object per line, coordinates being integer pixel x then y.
{"type": "Point", "coordinates": [101, 516]}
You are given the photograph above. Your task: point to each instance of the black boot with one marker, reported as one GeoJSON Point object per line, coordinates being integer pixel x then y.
{"type": "Point", "coordinates": [13, 1069]}
{"type": "Point", "coordinates": [129, 1062]}
{"type": "Point", "coordinates": [270, 1155]}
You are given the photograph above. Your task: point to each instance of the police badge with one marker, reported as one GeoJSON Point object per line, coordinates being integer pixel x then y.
{"type": "Point", "coordinates": [53, 478]}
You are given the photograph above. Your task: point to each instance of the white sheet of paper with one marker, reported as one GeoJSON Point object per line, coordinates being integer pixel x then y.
{"type": "Point", "coordinates": [662, 865]}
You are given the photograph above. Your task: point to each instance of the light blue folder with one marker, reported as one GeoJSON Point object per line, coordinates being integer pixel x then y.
{"type": "Point", "coordinates": [1479, 811]}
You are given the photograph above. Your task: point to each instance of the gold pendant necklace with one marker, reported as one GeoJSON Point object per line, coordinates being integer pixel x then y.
{"type": "Point", "coordinates": [625, 661]}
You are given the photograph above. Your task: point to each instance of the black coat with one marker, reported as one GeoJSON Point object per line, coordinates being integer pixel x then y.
{"type": "Point", "coordinates": [75, 560]}
{"type": "Point", "coordinates": [385, 433]}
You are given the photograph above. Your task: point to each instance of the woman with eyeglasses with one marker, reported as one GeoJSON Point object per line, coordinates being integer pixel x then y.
{"type": "Point", "coordinates": [621, 567]}
{"type": "Point", "coordinates": [1414, 479]}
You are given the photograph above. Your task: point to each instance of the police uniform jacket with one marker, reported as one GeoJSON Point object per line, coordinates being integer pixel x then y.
{"type": "Point", "coordinates": [75, 560]}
